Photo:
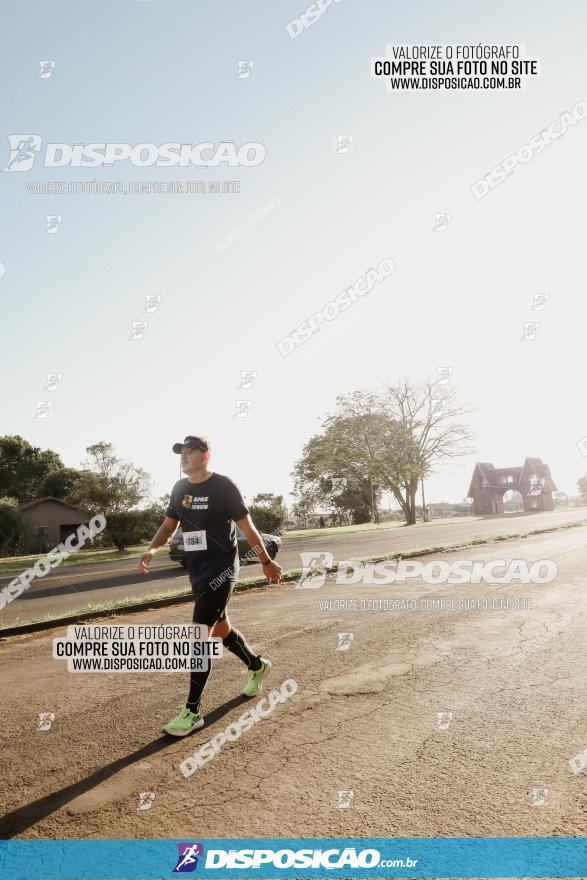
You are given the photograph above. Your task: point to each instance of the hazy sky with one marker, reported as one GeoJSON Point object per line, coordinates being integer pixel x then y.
{"type": "Point", "coordinates": [165, 71]}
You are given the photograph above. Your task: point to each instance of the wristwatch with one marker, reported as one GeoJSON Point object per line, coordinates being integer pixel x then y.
{"type": "Point", "coordinates": [267, 561]}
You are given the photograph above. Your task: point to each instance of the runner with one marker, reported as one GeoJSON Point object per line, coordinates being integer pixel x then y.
{"type": "Point", "coordinates": [207, 504]}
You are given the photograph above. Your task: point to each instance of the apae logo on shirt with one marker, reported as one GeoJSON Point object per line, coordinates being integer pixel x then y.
{"type": "Point", "coordinates": [195, 502]}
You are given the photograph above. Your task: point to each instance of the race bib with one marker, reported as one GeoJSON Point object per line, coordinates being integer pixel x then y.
{"type": "Point", "coordinates": [194, 540]}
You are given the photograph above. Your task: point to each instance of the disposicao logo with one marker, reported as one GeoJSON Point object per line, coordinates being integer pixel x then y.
{"type": "Point", "coordinates": [188, 857]}
{"type": "Point", "coordinates": [334, 858]}
{"type": "Point", "coordinates": [25, 147]}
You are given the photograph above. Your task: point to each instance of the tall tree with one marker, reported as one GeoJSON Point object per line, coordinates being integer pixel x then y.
{"type": "Point", "coordinates": [429, 423]}
{"type": "Point", "coordinates": [108, 484]}
{"type": "Point", "coordinates": [23, 467]}
{"type": "Point", "coordinates": [58, 484]}
{"type": "Point", "coordinates": [391, 439]}
{"type": "Point", "coordinates": [11, 526]}
{"type": "Point", "coordinates": [303, 509]}
{"type": "Point", "coordinates": [332, 479]}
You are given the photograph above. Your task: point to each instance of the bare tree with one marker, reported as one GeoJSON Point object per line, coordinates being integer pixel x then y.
{"type": "Point", "coordinates": [431, 423]}
{"type": "Point", "coordinates": [393, 438]}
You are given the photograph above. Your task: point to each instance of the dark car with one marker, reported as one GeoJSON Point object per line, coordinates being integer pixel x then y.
{"type": "Point", "coordinates": [246, 554]}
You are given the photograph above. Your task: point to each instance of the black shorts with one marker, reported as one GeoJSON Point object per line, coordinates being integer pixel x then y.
{"type": "Point", "coordinates": [210, 604]}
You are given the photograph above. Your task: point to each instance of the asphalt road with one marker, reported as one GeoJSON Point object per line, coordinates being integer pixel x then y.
{"type": "Point", "coordinates": [77, 588]}
{"type": "Point", "coordinates": [365, 720]}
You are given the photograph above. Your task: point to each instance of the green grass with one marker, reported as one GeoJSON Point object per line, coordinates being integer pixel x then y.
{"type": "Point", "coordinates": [371, 527]}
{"type": "Point", "coordinates": [296, 534]}
{"type": "Point", "coordinates": [367, 527]}
{"type": "Point", "coordinates": [84, 557]}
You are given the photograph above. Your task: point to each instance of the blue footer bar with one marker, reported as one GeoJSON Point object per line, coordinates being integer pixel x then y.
{"type": "Point", "coordinates": [295, 857]}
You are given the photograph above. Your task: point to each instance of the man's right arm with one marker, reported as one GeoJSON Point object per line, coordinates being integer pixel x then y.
{"type": "Point", "coordinates": [163, 534]}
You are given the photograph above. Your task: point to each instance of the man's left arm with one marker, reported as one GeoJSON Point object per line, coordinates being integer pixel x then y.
{"type": "Point", "coordinates": [272, 570]}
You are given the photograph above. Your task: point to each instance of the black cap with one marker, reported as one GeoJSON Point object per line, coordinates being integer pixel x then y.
{"type": "Point", "coordinates": [192, 443]}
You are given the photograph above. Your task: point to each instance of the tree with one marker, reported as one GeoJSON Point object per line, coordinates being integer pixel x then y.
{"type": "Point", "coordinates": [58, 484]}
{"type": "Point", "coordinates": [405, 431]}
{"type": "Point", "coordinates": [132, 526]}
{"type": "Point", "coordinates": [268, 512]}
{"type": "Point", "coordinates": [304, 508]}
{"type": "Point", "coordinates": [389, 439]}
{"type": "Point", "coordinates": [162, 504]}
{"type": "Point", "coordinates": [325, 479]}
{"type": "Point", "coordinates": [334, 481]}
{"type": "Point", "coordinates": [582, 487]}
{"type": "Point", "coordinates": [23, 467]}
{"type": "Point", "coordinates": [355, 500]}
{"type": "Point", "coordinates": [11, 526]}
{"type": "Point", "coordinates": [108, 484]}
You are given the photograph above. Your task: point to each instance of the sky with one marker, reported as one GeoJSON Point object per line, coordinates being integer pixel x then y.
{"type": "Point", "coordinates": [167, 72]}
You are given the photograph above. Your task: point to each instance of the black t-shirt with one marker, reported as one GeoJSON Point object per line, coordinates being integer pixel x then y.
{"type": "Point", "coordinates": [206, 512]}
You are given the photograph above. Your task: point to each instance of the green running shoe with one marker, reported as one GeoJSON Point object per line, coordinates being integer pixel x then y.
{"type": "Point", "coordinates": [184, 723]}
{"type": "Point", "coordinates": [255, 679]}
